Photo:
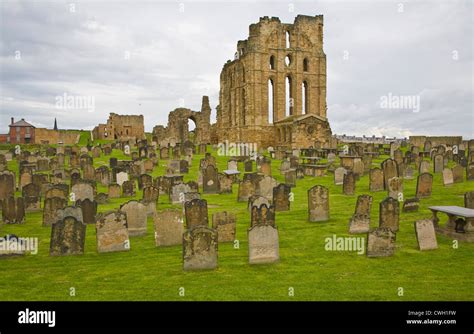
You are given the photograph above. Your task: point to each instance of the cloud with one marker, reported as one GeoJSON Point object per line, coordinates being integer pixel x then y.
{"type": "Point", "coordinates": [147, 57]}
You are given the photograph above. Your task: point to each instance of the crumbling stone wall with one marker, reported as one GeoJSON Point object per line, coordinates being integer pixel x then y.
{"type": "Point", "coordinates": [121, 127]}
{"type": "Point", "coordinates": [177, 130]}
{"type": "Point", "coordinates": [263, 62]}
{"type": "Point", "coordinates": [47, 136]}
{"type": "Point", "coordinates": [435, 140]}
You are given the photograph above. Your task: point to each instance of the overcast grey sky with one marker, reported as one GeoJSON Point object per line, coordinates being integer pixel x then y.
{"type": "Point", "coordinates": [149, 57]}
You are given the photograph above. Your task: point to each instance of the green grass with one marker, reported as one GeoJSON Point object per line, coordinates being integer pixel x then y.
{"type": "Point", "coordinates": [150, 273]}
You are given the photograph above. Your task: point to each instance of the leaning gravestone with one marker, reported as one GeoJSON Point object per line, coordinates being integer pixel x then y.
{"type": "Point", "coordinates": [50, 206]}
{"type": "Point", "coordinates": [169, 227]}
{"type": "Point", "coordinates": [424, 185]}
{"type": "Point", "coordinates": [263, 237]}
{"type": "Point", "coordinates": [318, 204]}
{"type": "Point", "coordinates": [470, 171]}
{"type": "Point", "coordinates": [389, 213]}
{"type": "Point", "coordinates": [425, 234]}
{"type": "Point", "coordinates": [360, 221]}
{"type": "Point", "coordinates": [112, 232]}
{"type": "Point", "coordinates": [448, 178]}
{"type": "Point", "coordinates": [136, 217]}
{"type": "Point", "coordinates": [68, 233]}
{"type": "Point", "coordinates": [376, 180]}
{"type": "Point", "coordinates": [196, 213]}
{"type": "Point", "coordinates": [200, 248]}
{"type": "Point", "coordinates": [225, 224]}
{"type": "Point", "coordinates": [381, 242]}
{"type": "Point", "coordinates": [281, 197]}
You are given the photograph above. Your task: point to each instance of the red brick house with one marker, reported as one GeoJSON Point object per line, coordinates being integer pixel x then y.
{"type": "Point", "coordinates": [21, 132]}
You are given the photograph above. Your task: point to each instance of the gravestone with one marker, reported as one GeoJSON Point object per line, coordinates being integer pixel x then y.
{"type": "Point", "coordinates": [470, 171]}
{"type": "Point", "coordinates": [281, 197]}
{"type": "Point", "coordinates": [102, 198]}
{"type": "Point", "coordinates": [390, 169]}
{"type": "Point", "coordinates": [265, 167]}
{"type": "Point", "coordinates": [7, 184]}
{"type": "Point", "coordinates": [177, 193]}
{"type": "Point", "coordinates": [263, 244]}
{"type": "Point", "coordinates": [424, 185]}
{"type": "Point", "coordinates": [395, 187]}
{"type": "Point", "coordinates": [381, 242]}
{"type": "Point", "coordinates": [52, 204]}
{"type": "Point", "coordinates": [150, 198]}
{"type": "Point", "coordinates": [248, 166]}
{"type": "Point", "coordinates": [200, 248]}
{"type": "Point", "coordinates": [225, 224]}
{"type": "Point", "coordinates": [196, 213]}
{"type": "Point", "coordinates": [438, 163]}
{"type": "Point", "coordinates": [128, 189]}
{"type": "Point", "coordinates": [169, 227]}
{"type": "Point", "coordinates": [225, 183]}
{"type": "Point", "coordinates": [349, 183]}
{"type": "Point", "coordinates": [469, 200]}
{"type": "Point", "coordinates": [409, 173]}
{"type": "Point", "coordinates": [68, 233]}
{"type": "Point", "coordinates": [358, 168]}
{"type": "Point", "coordinates": [339, 175]}
{"type": "Point", "coordinates": [262, 215]}
{"type": "Point", "coordinates": [257, 200]}
{"type": "Point", "coordinates": [145, 180]}
{"type": "Point", "coordinates": [425, 234]}
{"type": "Point", "coordinates": [210, 181]}
{"type": "Point", "coordinates": [458, 174]}
{"type": "Point", "coordinates": [411, 205]}
{"type": "Point", "coordinates": [448, 177]}
{"type": "Point", "coordinates": [114, 190]}
{"type": "Point", "coordinates": [265, 187]}
{"type": "Point", "coordinates": [88, 172]}
{"type": "Point", "coordinates": [290, 177]}
{"type": "Point", "coordinates": [284, 166]}
{"type": "Point", "coordinates": [82, 191]}
{"type": "Point", "coordinates": [89, 210]}
{"type": "Point", "coordinates": [318, 204]}
{"type": "Point", "coordinates": [389, 214]}
{"type": "Point", "coordinates": [13, 210]}
{"type": "Point", "coordinates": [58, 190]}
{"type": "Point", "coordinates": [102, 175]}
{"type": "Point", "coordinates": [32, 197]}
{"type": "Point", "coordinates": [424, 167]}
{"type": "Point", "coordinates": [376, 180]}
{"type": "Point", "coordinates": [360, 221]}
{"type": "Point", "coordinates": [136, 217]}
{"type": "Point", "coordinates": [112, 232]}
{"type": "Point", "coordinates": [121, 177]}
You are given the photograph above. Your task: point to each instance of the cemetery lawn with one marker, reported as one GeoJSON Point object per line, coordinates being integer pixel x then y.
{"type": "Point", "coordinates": [150, 273]}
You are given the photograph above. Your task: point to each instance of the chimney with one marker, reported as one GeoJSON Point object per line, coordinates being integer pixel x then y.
{"type": "Point", "coordinates": [13, 120]}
